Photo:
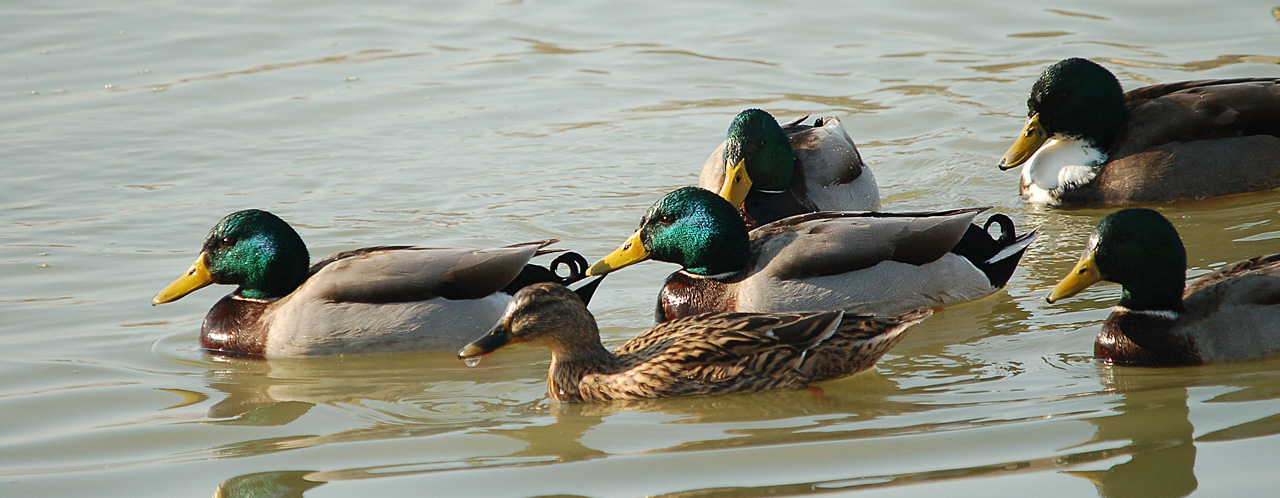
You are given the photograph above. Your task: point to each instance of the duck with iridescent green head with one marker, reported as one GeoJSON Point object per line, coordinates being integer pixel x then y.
{"type": "Point", "coordinates": [371, 300]}
{"type": "Point", "coordinates": [1087, 142]}
{"type": "Point", "coordinates": [774, 171]}
{"type": "Point", "coordinates": [1230, 314]}
{"type": "Point", "coordinates": [865, 262]}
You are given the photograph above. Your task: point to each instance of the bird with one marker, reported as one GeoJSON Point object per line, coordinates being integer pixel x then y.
{"type": "Point", "coordinates": [867, 262]}
{"type": "Point", "coordinates": [1088, 143]}
{"type": "Point", "coordinates": [776, 171]}
{"type": "Point", "coordinates": [370, 300]}
{"type": "Point", "coordinates": [1230, 314]}
{"type": "Point", "coordinates": [711, 353]}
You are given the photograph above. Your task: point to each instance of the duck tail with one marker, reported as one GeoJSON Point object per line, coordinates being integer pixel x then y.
{"type": "Point", "coordinates": [532, 274]}
{"type": "Point", "coordinates": [995, 257]}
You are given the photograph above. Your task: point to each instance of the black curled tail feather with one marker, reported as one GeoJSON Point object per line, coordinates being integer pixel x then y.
{"type": "Point", "coordinates": [1006, 228]}
{"type": "Point", "coordinates": [532, 274]}
{"type": "Point", "coordinates": [997, 258]}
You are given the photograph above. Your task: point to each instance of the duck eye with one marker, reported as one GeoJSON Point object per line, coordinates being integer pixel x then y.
{"type": "Point", "coordinates": [227, 242]}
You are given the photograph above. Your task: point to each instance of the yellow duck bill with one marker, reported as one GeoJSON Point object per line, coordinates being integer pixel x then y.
{"type": "Point", "coordinates": [737, 184]}
{"type": "Point", "coordinates": [1028, 142]}
{"type": "Point", "coordinates": [631, 252]}
{"type": "Point", "coordinates": [196, 278]}
{"type": "Point", "coordinates": [1084, 274]}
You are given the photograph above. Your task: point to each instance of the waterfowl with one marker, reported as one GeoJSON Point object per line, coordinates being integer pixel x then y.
{"type": "Point", "coordinates": [1086, 142]}
{"type": "Point", "coordinates": [1230, 314]}
{"type": "Point", "coordinates": [375, 299]}
{"type": "Point", "coordinates": [711, 353]}
{"type": "Point", "coordinates": [779, 171]}
{"type": "Point", "coordinates": [882, 263]}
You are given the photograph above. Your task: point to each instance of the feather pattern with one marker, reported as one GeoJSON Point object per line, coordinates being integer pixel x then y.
{"type": "Point", "coordinates": [704, 354]}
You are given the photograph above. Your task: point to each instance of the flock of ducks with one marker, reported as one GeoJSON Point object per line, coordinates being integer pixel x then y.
{"type": "Point", "coordinates": [788, 273]}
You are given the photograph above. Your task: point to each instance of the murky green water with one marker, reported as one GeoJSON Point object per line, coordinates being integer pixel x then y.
{"type": "Point", "coordinates": [129, 128]}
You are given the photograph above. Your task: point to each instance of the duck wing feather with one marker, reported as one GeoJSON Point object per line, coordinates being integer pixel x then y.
{"type": "Point", "coordinates": [403, 274]}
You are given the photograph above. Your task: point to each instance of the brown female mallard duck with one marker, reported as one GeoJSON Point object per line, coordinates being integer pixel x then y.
{"type": "Point", "coordinates": [1230, 314]}
{"type": "Point", "coordinates": [779, 171]}
{"type": "Point", "coordinates": [376, 299]}
{"type": "Point", "coordinates": [705, 354]}
{"type": "Point", "coordinates": [1086, 142]}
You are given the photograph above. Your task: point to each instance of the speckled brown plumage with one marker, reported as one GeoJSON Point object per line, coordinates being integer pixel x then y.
{"type": "Point", "coordinates": [704, 354]}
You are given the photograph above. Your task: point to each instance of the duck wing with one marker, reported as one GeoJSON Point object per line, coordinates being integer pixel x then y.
{"type": "Point", "coordinates": [402, 274]}
{"type": "Point", "coordinates": [1232, 313]}
{"type": "Point", "coordinates": [830, 243]}
{"type": "Point", "coordinates": [1198, 110]}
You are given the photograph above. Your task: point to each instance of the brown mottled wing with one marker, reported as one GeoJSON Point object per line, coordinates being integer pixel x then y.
{"type": "Point", "coordinates": [859, 342]}
{"type": "Point", "coordinates": [830, 243]}
{"type": "Point", "coordinates": [402, 274]}
{"type": "Point", "coordinates": [1198, 110]}
{"type": "Point", "coordinates": [717, 352]}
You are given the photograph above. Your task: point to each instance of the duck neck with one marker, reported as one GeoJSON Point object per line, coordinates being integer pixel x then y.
{"type": "Point", "coordinates": [719, 256]}
{"type": "Point", "coordinates": [574, 356]}
{"type": "Point", "coordinates": [567, 370]}
{"type": "Point", "coordinates": [1154, 294]}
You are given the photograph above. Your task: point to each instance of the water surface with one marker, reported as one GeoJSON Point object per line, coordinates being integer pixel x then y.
{"type": "Point", "coordinates": [130, 128]}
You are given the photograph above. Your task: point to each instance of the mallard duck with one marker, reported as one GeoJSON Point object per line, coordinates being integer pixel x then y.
{"type": "Point", "coordinates": [779, 171]}
{"type": "Point", "coordinates": [1088, 143]}
{"type": "Point", "coordinates": [705, 354]}
{"type": "Point", "coordinates": [881, 263]}
{"type": "Point", "coordinates": [375, 299]}
{"type": "Point", "coordinates": [1230, 314]}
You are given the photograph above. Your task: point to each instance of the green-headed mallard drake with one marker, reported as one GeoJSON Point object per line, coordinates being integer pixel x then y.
{"type": "Point", "coordinates": [705, 354]}
{"type": "Point", "coordinates": [375, 299]}
{"type": "Point", "coordinates": [779, 171]}
{"type": "Point", "coordinates": [1086, 142]}
{"type": "Point", "coordinates": [1230, 314]}
{"type": "Point", "coordinates": [882, 263]}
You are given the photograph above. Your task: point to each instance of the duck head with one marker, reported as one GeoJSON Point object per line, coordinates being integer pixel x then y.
{"type": "Point", "coordinates": [691, 227]}
{"type": "Point", "coordinates": [1073, 99]}
{"type": "Point", "coordinates": [1138, 249]}
{"type": "Point", "coordinates": [253, 249]}
{"type": "Point", "coordinates": [757, 156]}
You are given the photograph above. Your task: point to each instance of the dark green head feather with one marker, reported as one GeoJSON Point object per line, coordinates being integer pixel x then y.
{"type": "Point", "coordinates": [1140, 250]}
{"type": "Point", "coordinates": [1078, 98]}
{"type": "Point", "coordinates": [257, 251]}
{"type": "Point", "coordinates": [697, 230]}
{"type": "Point", "coordinates": [756, 137]}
